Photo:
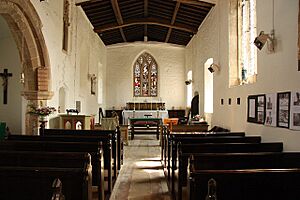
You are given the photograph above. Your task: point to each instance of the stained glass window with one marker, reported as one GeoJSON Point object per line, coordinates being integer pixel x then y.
{"type": "Point", "coordinates": [145, 76]}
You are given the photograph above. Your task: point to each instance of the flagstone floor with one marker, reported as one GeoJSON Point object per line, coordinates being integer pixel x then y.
{"type": "Point", "coordinates": [141, 176]}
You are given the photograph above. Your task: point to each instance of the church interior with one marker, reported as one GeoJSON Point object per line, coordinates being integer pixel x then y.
{"type": "Point", "coordinates": [196, 73]}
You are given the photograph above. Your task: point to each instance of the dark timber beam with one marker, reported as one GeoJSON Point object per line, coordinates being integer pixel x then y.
{"type": "Point", "coordinates": [149, 21]}
{"type": "Point", "coordinates": [173, 20]}
{"type": "Point", "coordinates": [146, 15]}
{"type": "Point", "coordinates": [86, 2]}
{"type": "Point", "coordinates": [118, 15]}
{"type": "Point", "coordinates": [195, 2]}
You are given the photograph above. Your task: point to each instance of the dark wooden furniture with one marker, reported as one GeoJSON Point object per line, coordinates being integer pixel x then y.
{"type": "Point", "coordinates": [28, 183]}
{"type": "Point", "coordinates": [117, 144]}
{"type": "Point", "coordinates": [145, 125]}
{"type": "Point", "coordinates": [176, 113]}
{"type": "Point", "coordinates": [185, 151]}
{"type": "Point", "coordinates": [201, 127]}
{"type": "Point", "coordinates": [94, 149]}
{"type": "Point", "coordinates": [145, 105]}
{"type": "Point", "coordinates": [246, 184]}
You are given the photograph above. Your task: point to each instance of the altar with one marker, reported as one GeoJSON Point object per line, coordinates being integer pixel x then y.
{"type": "Point", "coordinates": [143, 114]}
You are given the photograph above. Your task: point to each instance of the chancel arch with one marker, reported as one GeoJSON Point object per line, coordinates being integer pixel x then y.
{"type": "Point", "coordinates": [25, 26]}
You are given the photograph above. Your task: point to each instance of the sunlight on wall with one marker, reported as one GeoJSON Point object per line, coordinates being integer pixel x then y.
{"type": "Point", "coordinates": [208, 87]}
{"type": "Point", "coordinates": [189, 89]}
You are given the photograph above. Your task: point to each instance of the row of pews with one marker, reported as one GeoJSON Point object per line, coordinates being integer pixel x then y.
{"type": "Point", "coordinates": [60, 164]}
{"type": "Point", "coordinates": [228, 165]}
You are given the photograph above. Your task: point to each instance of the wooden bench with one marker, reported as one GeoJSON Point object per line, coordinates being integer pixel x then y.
{"type": "Point", "coordinates": [109, 156]}
{"type": "Point", "coordinates": [117, 143]}
{"type": "Point", "coordinates": [145, 125]}
{"type": "Point", "coordinates": [28, 183]}
{"type": "Point", "coordinates": [98, 159]}
{"type": "Point", "coordinates": [48, 159]}
{"type": "Point", "coordinates": [166, 142]}
{"type": "Point", "coordinates": [175, 139]}
{"type": "Point", "coordinates": [246, 184]}
{"type": "Point", "coordinates": [185, 150]}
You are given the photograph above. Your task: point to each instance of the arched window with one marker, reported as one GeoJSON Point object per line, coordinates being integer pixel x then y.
{"type": "Point", "coordinates": [145, 79]}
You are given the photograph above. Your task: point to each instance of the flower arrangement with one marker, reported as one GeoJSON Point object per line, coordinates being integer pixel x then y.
{"type": "Point", "coordinates": [40, 111]}
{"type": "Point", "coordinates": [198, 118]}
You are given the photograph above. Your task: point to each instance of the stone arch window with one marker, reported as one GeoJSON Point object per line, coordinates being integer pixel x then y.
{"type": "Point", "coordinates": [145, 79]}
{"type": "Point", "coordinates": [242, 52]}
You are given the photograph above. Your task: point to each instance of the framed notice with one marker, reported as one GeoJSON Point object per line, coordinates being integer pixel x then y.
{"type": "Point", "coordinates": [283, 109]}
{"type": "Point", "coordinates": [271, 110]}
{"type": "Point", "coordinates": [256, 109]}
{"type": "Point", "coordinates": [295, 111]}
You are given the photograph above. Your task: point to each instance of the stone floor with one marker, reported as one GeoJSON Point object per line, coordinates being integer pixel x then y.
{"type": "Point", "coordinates": [141, 176]}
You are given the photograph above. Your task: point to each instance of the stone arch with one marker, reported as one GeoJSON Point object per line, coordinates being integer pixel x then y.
{"type": "Point", "coordinates": [25, 26]}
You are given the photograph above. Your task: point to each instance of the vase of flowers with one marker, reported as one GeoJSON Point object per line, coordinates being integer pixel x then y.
{"type": "Point", "coordinates": [42, 112]}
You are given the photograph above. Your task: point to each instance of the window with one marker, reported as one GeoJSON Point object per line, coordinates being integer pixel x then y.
{"type": "Point", "coordinates": [145, 76]}
{"type": "Point", "coordinates": [246, 35]}
{"type": "Point", "coordinates": [66, 25]}
{"type": "Point", "coordinates": [189, 88]}
{"type": "Point", "coordinates": [208, 87]}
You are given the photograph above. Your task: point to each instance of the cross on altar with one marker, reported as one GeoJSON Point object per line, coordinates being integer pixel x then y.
{"type": "Point", "coordinates": [5, 75]}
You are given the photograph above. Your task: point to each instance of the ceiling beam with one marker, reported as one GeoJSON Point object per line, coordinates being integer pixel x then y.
{"type": "Point", "coordinates": [85, 2]}
{"type": "Point", "coordinates": [195, 2]}
{"type": "Point", "coordinates": [117, 11]}
{"type": "Point", "coordinates": [148, 21]}
{"type": "Point", "coordinates": [173, 21]}
{"type": "Point", "coordinates": [146, 4]}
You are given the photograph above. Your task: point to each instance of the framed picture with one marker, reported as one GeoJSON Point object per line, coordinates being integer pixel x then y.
{"type": "Point", "coordinates": [256, 109]}
{"type": "Point", "coordinates": [271, 113]}
{"type": "Point", "coordinates": [283, 109]}
{"type": "Point", "coordinates": [295, 111]}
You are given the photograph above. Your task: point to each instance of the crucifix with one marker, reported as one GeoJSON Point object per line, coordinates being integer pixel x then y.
{"type": "Point", "coordinates": [5, 75]}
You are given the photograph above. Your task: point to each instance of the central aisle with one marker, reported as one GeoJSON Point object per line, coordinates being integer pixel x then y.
{"type": "Point", "coordinates": [141, 176]}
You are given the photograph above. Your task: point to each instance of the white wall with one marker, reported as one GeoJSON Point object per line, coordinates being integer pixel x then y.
{"type": "Point", "coordinates": [11, 113]}
{"type": "Point", "coordinates": [86, 55]}
{"type": "Point", "coordinates": [276, 72]}
{"type": "Point", "coordinates": [171, 75]}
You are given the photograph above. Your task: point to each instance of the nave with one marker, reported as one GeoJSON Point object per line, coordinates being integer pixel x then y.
{"type": "Point", "coordinates": [141, 176]}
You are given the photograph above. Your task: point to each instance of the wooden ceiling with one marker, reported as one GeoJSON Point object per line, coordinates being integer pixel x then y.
{"type": "Point", "coordinates": [168, 21]}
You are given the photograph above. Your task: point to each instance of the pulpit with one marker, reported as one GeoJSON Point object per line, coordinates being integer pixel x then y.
{"type": "Point", "coordinates": [76, 122]}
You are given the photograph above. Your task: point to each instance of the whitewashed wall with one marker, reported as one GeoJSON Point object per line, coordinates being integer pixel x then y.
{"type": "Point", "coordinates": [171, 66]}
{"type": "Point", "coordinates": [11, 112]}
{"type": "Point", "coordinates": [86, 55]}
{"type": "Point", "coordinates": [276, 72]}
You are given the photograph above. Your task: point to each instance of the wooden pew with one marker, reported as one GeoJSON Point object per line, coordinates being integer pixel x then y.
{"type": "Point", "coordinates": [117, 143]}
{"type": "Point", "coordinates": [184, 152]}
{"type": "Point", "coordinates": [49, 160]}
{"type": "Point", "coordinates": [105, 139]}
{"type": "Point", "coordinates": [166, 141]}
{"type": "Point", "coordinates": [175, 139]}
{"type": "Point", "coordinates": [93, 148]}
{"type": "Point", "coordinates": [246, 184]}
{"type": "Point", "coordinates": [28, 183]}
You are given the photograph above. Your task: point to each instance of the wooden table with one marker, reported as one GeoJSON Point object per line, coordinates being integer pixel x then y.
{"type": "Point", "coordinates": [145, 125]}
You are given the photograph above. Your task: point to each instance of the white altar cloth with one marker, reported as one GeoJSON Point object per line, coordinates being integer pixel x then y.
{"type": "Point", "coordinates": [141, 113]}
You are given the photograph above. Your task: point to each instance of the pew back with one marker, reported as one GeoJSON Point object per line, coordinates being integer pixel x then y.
{"type": "Point", "coordinates": [35, 183]}
{"type": "Point", "coordinates": [247, 184]}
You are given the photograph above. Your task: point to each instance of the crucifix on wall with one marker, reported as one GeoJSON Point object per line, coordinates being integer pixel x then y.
{"type": "Point", "coordinates": [5, 75]}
